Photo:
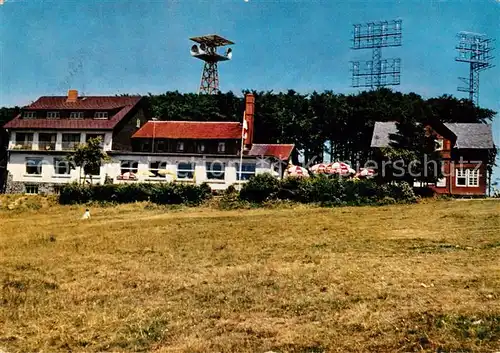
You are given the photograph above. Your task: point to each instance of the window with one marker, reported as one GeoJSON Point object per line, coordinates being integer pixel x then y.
{"type": "Point", "coordinates": [24, 141]}
{"type": "Point", "coordinates": [34, 166]}
{"type": "Point", "coordinates": [47, 141]}
{"type": "Point", "coordinates": [439, 144]}
{"type": "Point", "coordinates": [29, 115]}
{"type": "Point", "coordinates": [161, 146]}
{"type": "Point", "coordinates": [53, 115]}
{"type": "Point", "coordinates": [61, 166]}
{"type": "Point", "coordinates": [467, 177]}
{"type": "Point", "coordinates": [200, 147]}
{"type": "Point", "coordinates": [221, 147]}
{"type": "Point", "coordinates": [180, 146]}
{"type": "Point", "coordinates": [31, 189]}
{"type": "Point", "coordinates": [129, 167]}
{"type": "Point", "coordinates": [70, 141]}
{"type": "Point", "coordinates": [247, 171]}
{"type": "Point", "coordinates": [76, 115]}
{"type": "Point", "coordinates": [157, 169]}
{"type": "Point", "coordinates": [441, 183]}
{"type": "Point", "coordinates": [57, 189]}
{"type": "Point", "coordinates": [185, 170]}
{"type": "Point", "coordinates": [146, 146]}
{"type": "Point", "coordinates": [101, 115]}
{"type": "Point", "coordinates": [473, 177]}
{"type": "Point", "coordinates": [215, 170]}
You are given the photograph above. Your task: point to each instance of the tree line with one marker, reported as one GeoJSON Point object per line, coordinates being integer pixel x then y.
{"type": "Point", "coordinates": [342, 123]}
{"type": "Point", "coordinates": [338, 124]}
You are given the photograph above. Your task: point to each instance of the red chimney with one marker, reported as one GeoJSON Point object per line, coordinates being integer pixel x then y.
{"type": "Point", "coordinates": [72, 96]}
{"type": "Point", "coordinates": [249, 117]}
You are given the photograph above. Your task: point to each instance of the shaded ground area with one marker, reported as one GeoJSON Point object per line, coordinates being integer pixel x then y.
{"type": "Point", "coordinates": [144, 278]}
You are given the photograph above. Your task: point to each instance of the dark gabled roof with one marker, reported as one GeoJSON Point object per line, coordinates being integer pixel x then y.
{"type": "Point", "coordinates": [468, 136]}
{"type": "Point", "coordinates": [203, 130]}
{"type": "Point", "coordinates": [473, 136]}
{"type": "Point", "coordinates": [124, 104]}
{"type": "Point", "coordinates": [280, 151]}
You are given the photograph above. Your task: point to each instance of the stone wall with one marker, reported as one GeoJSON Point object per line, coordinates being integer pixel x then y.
{"type": "Point", "coordinates": [18, 187]}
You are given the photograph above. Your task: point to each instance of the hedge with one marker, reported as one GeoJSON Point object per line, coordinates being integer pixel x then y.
{"type": "Point", "coordinates": [161, 193]}
{"type": "Point", "coordinates": [328, 191]}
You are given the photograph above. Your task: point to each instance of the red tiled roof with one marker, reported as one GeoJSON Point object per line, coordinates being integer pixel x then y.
{"type": "Point", "coordinates": [83, 103]}
{"type": "Point", "coordinates": [190, 130]}
{"type": "Point", "coordinates": [280, 151]}
{"type": "Point", "coordinates": [90, 103]}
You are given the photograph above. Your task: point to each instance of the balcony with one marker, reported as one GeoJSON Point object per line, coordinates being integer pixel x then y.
{"type": "Point", "coordinates": [22, 145]}
{"type": "Point", "coordinates": [69, 146]}
{"type": "Point", "coordinates": [46, 146]}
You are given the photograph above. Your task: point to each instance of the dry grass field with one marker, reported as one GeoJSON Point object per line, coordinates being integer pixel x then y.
{"type": "Point", "coordinates": [413, 278]}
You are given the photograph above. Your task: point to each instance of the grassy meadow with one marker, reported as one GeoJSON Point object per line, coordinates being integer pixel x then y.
{"type": "Point", "coordinates": [402, 278]}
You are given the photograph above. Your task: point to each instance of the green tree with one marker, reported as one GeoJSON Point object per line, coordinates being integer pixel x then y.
{"type": "Point", "coordinates": [88, 157]}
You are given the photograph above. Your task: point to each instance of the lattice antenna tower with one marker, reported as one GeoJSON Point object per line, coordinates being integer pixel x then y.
{"type": "Point", "coordinates": [474, 49]}
{"type": "Point", "coordinates": [206, 50]}
{"type": "Point", "coordinates": [377, 72]}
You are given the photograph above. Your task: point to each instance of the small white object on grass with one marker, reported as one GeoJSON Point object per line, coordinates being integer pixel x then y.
{"type": "Point", "coordinates": [86, 215]}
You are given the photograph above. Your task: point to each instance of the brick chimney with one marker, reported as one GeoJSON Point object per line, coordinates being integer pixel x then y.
{"type": "Point", "coordinates": [72, 96]}
{"type": "Point", "coordinates": [249, 116]}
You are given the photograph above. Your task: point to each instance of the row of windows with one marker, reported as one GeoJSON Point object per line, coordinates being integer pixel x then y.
{"type": "Point", "coordinates": [214, 170]}
{"type": "Point", "coordinates": [186, 170]}
{"type": "Point", "coordinates": [161, 146]}
{"type": "Point", "coordinates": [47, 141]}
{"type": "Point", "coordinates": [467, 177]}
{"type": "Point", "coordinates": [72, 115]}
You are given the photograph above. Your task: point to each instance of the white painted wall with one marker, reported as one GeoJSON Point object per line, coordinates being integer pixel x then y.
{"type": "Point", "coordinates": [17, 167]}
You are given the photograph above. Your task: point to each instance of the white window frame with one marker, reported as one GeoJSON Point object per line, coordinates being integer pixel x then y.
{"type": "Point", "coordinates": [200, 147]}
{"type": "Point", "coordinates": [439, 144]}
{"type": "Point", "coordinates": [68, 167]}
{"type": "Point", "coordinates": [129, 165]}
{"type": "Point", "coordinates": [39, 166]}
{"type": "Point", "coordinates": [180, 146]}
{"type": "Point", "coordinates": [215, 175]}
{"type": "Point", "coordinates": [29, 115]}
{"type": "Point", "coordinates": [441, 182]}
{"type": "Point", "coordinates": [76, 115]}
{"type": "Point", "coordinates": [31, 189]}
{"type": "Point", "coordinates": [26, 144]}
{"type": "Point", "coordinates": [51, 144]}
{"type": "Point", "coordinates": [181, 171]}
{"type": "Point", "coordinates": [53, 115]}
{"type": "Point", "coordinates": [471, 176]}
{"type": "Point", "coordinates": [246, 174]}
{"type": "Point", "coordinates": [70, 145]}
{"type": "Point", "coordinates": [221, 147]}
{"type": "Point", "coordinates": [162, 165]}
{"type": "Point", "coordinates": [101, 115]}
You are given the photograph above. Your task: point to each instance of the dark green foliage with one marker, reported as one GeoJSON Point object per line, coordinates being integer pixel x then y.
{"type": "Point", "coordinates": [260, 188]}
{"type": "Point", "coordinates": [326, 191]}
{"type": "Point", "coordinates": [162, 193]}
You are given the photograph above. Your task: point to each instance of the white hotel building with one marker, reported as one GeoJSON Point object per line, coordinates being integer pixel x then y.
{"type": "Point", "coordinates": [141, 150]}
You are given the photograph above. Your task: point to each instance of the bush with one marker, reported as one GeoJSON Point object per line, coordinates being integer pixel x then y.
{"type": "Point", "coordinates": [163, 193]}
{"type": "Point", "coordinates": [260, 188]}
{"type": "Point", "coordinates": [325, 190]}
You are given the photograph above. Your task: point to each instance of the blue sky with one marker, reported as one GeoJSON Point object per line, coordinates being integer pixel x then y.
{"type": "Point", "coordinates": [141, 46]}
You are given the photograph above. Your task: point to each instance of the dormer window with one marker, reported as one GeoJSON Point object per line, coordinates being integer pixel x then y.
{"type": "Point", "coordinates": [76, 115]}
{"type": "Point", "coordinates": [53, 115]}
{"type": "Point", "coordinates": [439, 144]}
{"type": "Point", "coordinates": [180, 146]}
{"type": "Point", "coordinates": [101, 115]}
{"type": "Point", "coordinates": [221, 147]}
{"type": "Point", "coordinates": [29, 115]}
